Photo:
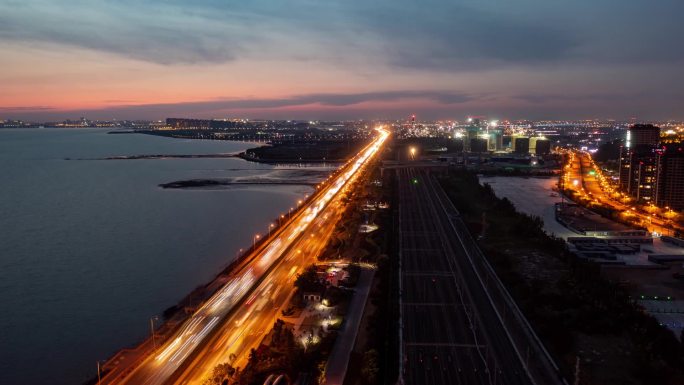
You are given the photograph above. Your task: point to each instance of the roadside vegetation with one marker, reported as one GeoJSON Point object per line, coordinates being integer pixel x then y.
{"type": "Point", "coordinates": [580, 316]}
{"type": "Point", "coordinates": [283, 352]}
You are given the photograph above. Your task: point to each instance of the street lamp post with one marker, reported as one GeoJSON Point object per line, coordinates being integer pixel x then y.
{"type": "Point", "coordinates": [154, 342]}
{"type": "Point", "coordinates": [256, 236]}
{"type": "Point", "coordinates": [270, 226]}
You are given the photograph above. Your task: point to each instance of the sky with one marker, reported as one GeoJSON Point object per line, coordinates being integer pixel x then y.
{"type": "Point", "coordinates": [341, 59]}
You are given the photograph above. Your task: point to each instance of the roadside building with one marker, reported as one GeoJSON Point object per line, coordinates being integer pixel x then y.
{"type": "Point", "coordinates": [670, 172]}
{"type": "Point", "coordinates": [638, 163]}
{"type": "Point", "coordinates": [521, 145]}
{"type": "Point", "coordinates": [478, 145]}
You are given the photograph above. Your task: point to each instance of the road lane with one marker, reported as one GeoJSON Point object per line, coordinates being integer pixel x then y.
{"type": "Point", "coordinates": [316, 221]}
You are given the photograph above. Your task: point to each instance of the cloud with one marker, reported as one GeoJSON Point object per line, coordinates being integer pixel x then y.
{"type": "Point", "coordinates": [542, 97]}
{"type": "Point", "coordinates": [157, 32]}
{"type": "Point", "coordinates": [430, 35]}
{"type": "Point", "coordinates": [25, 108]}
{"type": "Point", "coordinates": [217, 107]}
{"type": "Point", "coordinates": [320, 99]}
{"type": "Point", "coordinates": [445, 34]}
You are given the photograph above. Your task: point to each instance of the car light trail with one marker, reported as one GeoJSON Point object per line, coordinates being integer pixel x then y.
{"type": "Point", "coordinates": [158, 368]}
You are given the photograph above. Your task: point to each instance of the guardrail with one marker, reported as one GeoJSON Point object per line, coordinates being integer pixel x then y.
{"type": "Point", "coordinates": [536, 359]}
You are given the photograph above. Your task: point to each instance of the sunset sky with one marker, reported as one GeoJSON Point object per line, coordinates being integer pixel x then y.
{"type": "Point", "coordinates": [340, 59]}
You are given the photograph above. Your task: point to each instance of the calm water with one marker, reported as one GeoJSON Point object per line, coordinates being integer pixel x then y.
{"type": "Point", "coordinates": [89, 250]}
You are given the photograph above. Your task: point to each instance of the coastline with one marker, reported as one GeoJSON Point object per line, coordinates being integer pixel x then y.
{"type": "Point", "coordinates": [175, 315]}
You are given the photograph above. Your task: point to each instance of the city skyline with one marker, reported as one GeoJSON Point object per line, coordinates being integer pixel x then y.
{"type": "Point", "coordinates": [340, 60]}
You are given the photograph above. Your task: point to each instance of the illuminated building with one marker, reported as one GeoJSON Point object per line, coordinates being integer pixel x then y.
{"type": "Point", "coordinates": [542, 147]}
{"type": "Point", "coordinates": [478, 145]}
{"type": "Point", "coordinates": [638, 164]}
{"type": "Point", "coordinates": [670, 187]}
{"type": "Point", "coordinates": [472, 134]}
{"type": "Point", "coordinates": [642, 135]}
{"type": "Point", "coordinates": [539, 145]}
{"type": "Point", "coordinates": [521, 145]}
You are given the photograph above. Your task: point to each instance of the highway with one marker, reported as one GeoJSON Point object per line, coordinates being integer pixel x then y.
{"type": "Point", "coordinates": [456, 325]}
{"type": "Point", "coordinates": [236, 318]}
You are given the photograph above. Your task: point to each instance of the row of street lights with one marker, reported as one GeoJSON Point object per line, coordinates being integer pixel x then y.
{"type": "Point", "coordinates": [271, 226]}
{"type": "Point", "coordinates": [611, 191]}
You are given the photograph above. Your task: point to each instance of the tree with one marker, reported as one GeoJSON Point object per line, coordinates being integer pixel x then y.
{"type": "Point", "coordinates": [219, 374]}
{"type": "Point", "coordinates": [370, 368]}
{"type": "Point", "coordinates": [308, 280]}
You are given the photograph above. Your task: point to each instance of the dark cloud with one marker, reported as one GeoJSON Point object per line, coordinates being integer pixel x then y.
{"type": "Point", "coordinates": [322, 99]}
{"type": "Point", "coordinates": [542, 98]}
{"type": "Point", "coordinates": [430, 34]}
{"type": "Point", "coordinates": [154, 31]}
{"type": "Point", "coordinates": [440, 105]}
{"type": "Point", "coordinates": [450, 35]}
{"type": "Point", "coordinates": [244, 106]}
{"type": "Point", "coordinates": [25, 108]}
{"type": "Point", "coordinates": [625, 53]}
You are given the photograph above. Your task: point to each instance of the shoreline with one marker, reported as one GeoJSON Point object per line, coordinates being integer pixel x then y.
{"type": "Point", "coordinates": [209, 183]}
{"type": "Point", "coordinates": [243, 155]}
{"type": "Point", "coordinates": [175, 315]}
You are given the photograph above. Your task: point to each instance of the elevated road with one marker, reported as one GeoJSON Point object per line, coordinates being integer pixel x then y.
{"type": "Point", "coordinates": [236, 318]}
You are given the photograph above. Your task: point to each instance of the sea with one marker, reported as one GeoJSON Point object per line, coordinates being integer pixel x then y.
{"type": "Point", "coordinates": [91, 249]}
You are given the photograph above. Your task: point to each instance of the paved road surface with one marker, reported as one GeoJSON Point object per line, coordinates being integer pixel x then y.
{"type": "Point", "coordinates": [235, 319]}
{"type": "Point", "coordinates": [452, 328]}
{"type": "Point", "coordinates": [338, 361]}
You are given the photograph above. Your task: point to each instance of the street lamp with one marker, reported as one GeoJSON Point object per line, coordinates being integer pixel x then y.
{"type": "Point", "coordinates": [256, 236]}
{"type": "Point", "coordinates": [99, 379]}
{"type": "Point", "coordinates": [154, 342]}
{"type": "Point", "coordinates": [270, 226]}
{"type": "Point", "coordinates": [412, 151]}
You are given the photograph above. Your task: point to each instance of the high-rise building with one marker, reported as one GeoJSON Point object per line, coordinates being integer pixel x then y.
{"type": "Point", "coordinates": [494, 139]}
{"type": "Point", "coordinates": [642, 135]}
{"type": "Point", "coordinates": [670, 187]}
{"type": "Point", "coordinates": [472, 133]}
{"type": "Point", "coordinates": [644, 176]}
{"type": "Point", "coordinates": [542, 147]}
{"type": "Point", "coordinates": [521, 145]}
{"type": "Point", "coordinates": [638, 163]}
{"type": "Point", "coordinates": [478, 145]}
{"type": "Point", "coordinates": [545, 145]}
{"type": "Point", "coordinates": [625, 169]}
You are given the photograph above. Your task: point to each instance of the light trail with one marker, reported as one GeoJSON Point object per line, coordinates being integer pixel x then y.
{"type": "Point", "coordinates": [247, 284]}
{"type": "Point", "coordinates": [595, 189]}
